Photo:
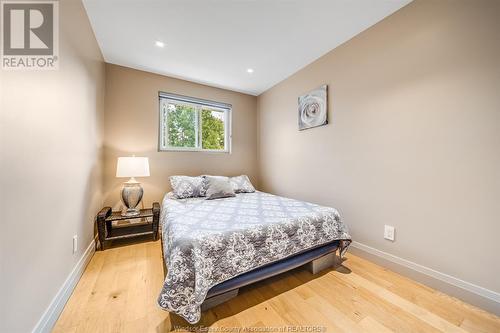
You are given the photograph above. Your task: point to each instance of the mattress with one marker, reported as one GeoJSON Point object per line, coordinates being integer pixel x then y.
{"type": "Point", "coordinates": [275, 268]}
{"type": "Point", "coordinates": [207, 242]}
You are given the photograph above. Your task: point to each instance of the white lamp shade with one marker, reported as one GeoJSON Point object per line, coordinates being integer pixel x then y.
{"type": "Point", "coordinates": [132, 167]}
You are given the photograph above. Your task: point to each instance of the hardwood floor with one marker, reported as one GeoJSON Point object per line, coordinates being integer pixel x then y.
{"type": "Point", "coordinates": [119, 288]}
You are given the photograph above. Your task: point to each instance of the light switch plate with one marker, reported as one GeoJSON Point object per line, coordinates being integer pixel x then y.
{"type": "Point", "coordinates": [389, 232]}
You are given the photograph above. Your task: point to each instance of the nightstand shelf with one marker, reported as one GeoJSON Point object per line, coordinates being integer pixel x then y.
{"type": "Point", "coordinates": [145, 223]}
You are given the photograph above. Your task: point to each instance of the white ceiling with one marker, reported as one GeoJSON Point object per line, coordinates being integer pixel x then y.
{"type": "Point", "coordinates": [216, 41]}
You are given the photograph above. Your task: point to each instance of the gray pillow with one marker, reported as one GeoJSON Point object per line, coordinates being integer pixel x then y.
{"type": "Point", "coordinates": [242, 184]}
{"type": "Point", "coordinates": [219, 187]}
{"type": "Point", "coordinates": [187, 187]}
{"type": "Point", "coordinates": [205, 183]}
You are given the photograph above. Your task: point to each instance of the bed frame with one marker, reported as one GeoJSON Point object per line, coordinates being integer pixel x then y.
{"type": "Point", "coordinates": [316, 259]}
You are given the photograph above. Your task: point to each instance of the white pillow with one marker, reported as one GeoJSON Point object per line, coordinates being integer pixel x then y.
{"type": "Point", "coordinates": [187, 187]}
{"type": "Point", "coordinates": [242, 184]}
{"type": "Point", "coordinates": [205, 183]}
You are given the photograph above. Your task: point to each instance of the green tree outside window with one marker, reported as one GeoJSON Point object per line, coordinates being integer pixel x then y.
{"type": "Point", "coordinates": [212, 129]}
{"type": "Point", "coordinates": [181, 121]}
{"type": "Point", "coordinates": [185, 125]}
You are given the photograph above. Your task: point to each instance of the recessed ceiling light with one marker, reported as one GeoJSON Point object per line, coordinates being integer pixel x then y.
{"type": "Point", "coordinates": [250, 70]}
{"type": "Point", "coordinates": [159, 44]}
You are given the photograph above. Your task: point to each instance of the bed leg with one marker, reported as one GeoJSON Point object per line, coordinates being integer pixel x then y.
{"type": "Point", "coordinates": [322, 263]}
{"type": "Point", "coordinates": [219, 299]}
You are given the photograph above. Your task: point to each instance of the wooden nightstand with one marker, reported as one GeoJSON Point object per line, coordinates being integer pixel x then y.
{"type": "Point", "coordinates": [147, 224]}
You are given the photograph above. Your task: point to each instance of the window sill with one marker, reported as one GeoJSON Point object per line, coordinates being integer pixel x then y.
{"type": "Point", "coordinates": [193, 150]}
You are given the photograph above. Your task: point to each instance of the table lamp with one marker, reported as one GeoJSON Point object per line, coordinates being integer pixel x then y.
{"type": "Point", "coordinates": [132, 190]}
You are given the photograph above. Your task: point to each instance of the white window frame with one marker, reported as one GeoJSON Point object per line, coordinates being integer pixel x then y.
{"type": "Point", "coordinates": [197, 104]}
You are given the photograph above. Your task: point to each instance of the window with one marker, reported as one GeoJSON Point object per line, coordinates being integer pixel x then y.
{"type": "Point", "coordinates": [191, 124]}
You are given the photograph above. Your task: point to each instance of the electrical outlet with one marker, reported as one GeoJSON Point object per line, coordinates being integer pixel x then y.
{"type": "Point", "coordinates": [389, 232]}
{"type": "Point", "coordinates": [75, 243]}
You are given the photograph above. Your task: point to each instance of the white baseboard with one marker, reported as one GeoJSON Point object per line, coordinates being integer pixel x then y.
{"type": "Point", "coordinates": [469, 292]}
{"type": "Point", "coordinates": [50, 316]}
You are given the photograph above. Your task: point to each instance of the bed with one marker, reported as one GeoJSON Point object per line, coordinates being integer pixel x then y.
{"type": "Point", "coordinates": [213, 247]}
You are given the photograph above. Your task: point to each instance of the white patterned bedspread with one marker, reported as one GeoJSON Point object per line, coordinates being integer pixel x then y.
{"type": "Point", "coordinates": [207, 242]}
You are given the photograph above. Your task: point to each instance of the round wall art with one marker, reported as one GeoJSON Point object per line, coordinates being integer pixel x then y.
{"type": "Point", "coordinates": [313, 108]}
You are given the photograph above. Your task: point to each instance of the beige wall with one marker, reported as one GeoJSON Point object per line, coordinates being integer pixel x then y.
{"type": "Point", "coordinates": [413, 139]}
{"type": "Point", "coordinates": [50, 170]}
{"type": "Point", "coordinates": [131, 127]}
